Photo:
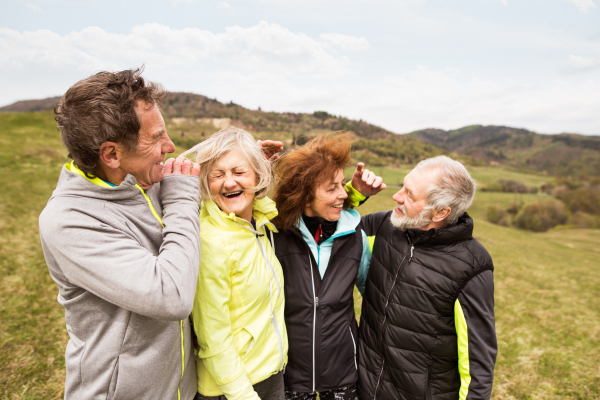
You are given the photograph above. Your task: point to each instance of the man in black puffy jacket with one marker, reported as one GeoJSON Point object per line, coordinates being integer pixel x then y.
{"type": "Point", "coordinates": [427, 326]}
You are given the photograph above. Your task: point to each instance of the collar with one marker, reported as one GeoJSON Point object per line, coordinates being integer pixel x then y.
{"type": "Point", "coordinates": [263, 210]}
{"type": "Point", "coordinates": [462, 229]}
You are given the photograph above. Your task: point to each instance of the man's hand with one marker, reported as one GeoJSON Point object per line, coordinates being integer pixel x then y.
{"type": "Point", "coordinates": [270, 148]}
{"type": "Point", "coordinates": [181, 166]}
{"type": "Point", "coordinates": [366, 182]}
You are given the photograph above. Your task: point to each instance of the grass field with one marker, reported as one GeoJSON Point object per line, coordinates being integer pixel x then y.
{"type": "Point", "coordinates": [547, 285]}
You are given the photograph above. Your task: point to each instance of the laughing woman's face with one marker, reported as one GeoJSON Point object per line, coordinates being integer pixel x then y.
{"type": "Point", "coordinates": [229, 180]}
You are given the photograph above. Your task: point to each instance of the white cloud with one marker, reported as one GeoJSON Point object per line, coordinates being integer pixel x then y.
{"type": "Point", "coordinates": [35, 9]}
{"type": "Point", "coordinates": [346, 42]}
{"type": "Point", "coordinates": [584, 62]}
{"type": "Point", "coordinates": [425, 97]}
{"type": "Point", "coordinates": [176, 2]}
{"type": "Point", "coordinates": [267, 47]}
{"type": "Point", "coordinates": [270, 66]}
{"type": "Point", "coordinates": [583, 5]}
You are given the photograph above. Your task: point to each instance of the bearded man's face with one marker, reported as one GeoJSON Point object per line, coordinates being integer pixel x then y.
{"type": "Point", "coordinates": [412, 210]}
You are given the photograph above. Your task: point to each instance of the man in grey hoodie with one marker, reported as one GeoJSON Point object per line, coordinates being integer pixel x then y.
{"type": "Point", "coordinates": [122, 243]}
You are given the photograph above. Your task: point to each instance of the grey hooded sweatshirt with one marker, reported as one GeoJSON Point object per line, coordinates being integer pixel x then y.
{"type": "Point", "coordinates": [127, 284]}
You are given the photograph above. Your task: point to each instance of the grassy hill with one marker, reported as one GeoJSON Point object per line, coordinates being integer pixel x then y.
{"type": "Point", "coordinates": [547, 284]}
{"type": "Point", "coordinates": [564, 154]}
{"type": "Point", "coordinates": [32, 105]}
{"type": "Point", "coordinates": [191, 117]}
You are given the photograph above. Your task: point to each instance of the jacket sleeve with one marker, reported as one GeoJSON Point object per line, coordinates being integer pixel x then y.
{"type": "Point", "coordinates": [355, 199]}
{"type": "Point", "coordinates": [365, 263]}
{"type": "Point", "coordinates": [113, 265]}
{"type": "Point", "coordinates": [476, 332]}
{"type": "Point", "coordinates": [212, 323]}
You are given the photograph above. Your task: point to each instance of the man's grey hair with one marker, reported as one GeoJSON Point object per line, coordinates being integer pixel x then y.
{"type": "Point", "coordinates": [453, 186]}
{"type": "Point", "coordinates": [221, 143]}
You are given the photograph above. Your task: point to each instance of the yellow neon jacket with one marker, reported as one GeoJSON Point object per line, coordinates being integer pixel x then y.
{"type": "Point", "coordinates": [238, 344]}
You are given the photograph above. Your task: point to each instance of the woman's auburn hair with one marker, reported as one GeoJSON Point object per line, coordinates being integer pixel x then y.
{"type": "Point", "coordinates": [299, 173]}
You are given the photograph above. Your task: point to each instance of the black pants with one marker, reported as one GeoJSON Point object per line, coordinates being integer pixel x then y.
{"type": "Point", "coordinates": [270, 389]}
{"type": "Point", "coordinates": [343, 393]}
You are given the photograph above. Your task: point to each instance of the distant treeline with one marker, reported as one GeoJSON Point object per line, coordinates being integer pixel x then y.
{"type": "Point", "coordinates": [575, 202]}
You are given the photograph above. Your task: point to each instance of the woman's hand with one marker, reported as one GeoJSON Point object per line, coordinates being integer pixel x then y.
{"type": "Point", "coordinates": [270, 148]}
{"type": "Point", "coordinates": [366, 182]}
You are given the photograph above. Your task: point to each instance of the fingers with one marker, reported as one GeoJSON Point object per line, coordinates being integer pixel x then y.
{"type": "Point", "coordinates": [177, 166]}
{"type": "Point", "coordinates": [168, 167]}
{"type": "Point", "coordinates": [368, 177]}
{"type": "Point", "coordinates": [377, 182]}
{"type": "Point", "coordinates": [195, 169]}
{"type": "Point", "coordinates": [359, 169]}
{"type": "Point", "coordinates": [271, 146]}
{"type": "Point", "coordinates": [181, 166]}
{"type": "Point", "coordinates": [186, 167]}
{"type": "Point", "coordinates": [270, 143]}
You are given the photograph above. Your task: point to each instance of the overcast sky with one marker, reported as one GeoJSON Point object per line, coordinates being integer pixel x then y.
{"type": "Point", "coordinates": [400, 64]}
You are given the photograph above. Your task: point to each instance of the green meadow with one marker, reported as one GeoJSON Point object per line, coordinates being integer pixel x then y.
{"type": "Point", "coordinates": [547, 284]}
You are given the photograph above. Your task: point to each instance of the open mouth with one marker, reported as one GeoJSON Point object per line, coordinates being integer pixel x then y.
{"type": "Point", "coordinates": [233, 194]}
{"type": "Point", "coordinates": [338, 206]}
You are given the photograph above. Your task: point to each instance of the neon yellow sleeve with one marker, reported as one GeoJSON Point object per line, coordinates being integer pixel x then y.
{"type": "Point", "coordinates": [354, 195]}
{"type": "Point", "coordinates": [463, 350]}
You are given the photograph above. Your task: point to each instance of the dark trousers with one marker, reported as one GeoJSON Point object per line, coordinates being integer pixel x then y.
{"type": "Point", "coordinates": [270, 389]}
{"type": "Point", "coordinates": [343, 393]}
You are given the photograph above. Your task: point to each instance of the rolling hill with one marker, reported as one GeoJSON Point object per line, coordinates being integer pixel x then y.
{"type": "Point", "coordinates": [564, 154]}
{"type": "Point", "coordinates": [190, 117]}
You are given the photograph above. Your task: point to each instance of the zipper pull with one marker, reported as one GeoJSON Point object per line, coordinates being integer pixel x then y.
{"type": "Point", "coordinates": [412, 247]}
{"type": "Point", "coordinates": [318, 234]}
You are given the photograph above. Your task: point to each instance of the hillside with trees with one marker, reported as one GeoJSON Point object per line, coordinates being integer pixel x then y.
{"type": "Point", "coordinates": [192, 117]}
{"type": "Point", "coordinates": [564, 154]}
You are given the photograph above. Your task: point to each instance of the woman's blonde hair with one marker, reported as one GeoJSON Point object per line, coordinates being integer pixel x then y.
{"type": "Point", "coordinates": [221, 143]}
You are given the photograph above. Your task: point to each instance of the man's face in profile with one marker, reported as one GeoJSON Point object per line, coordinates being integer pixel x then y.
{"type": "Point", "coordinates": [411, 209]}
{"type": "Point", "coordinates": [146, 162]}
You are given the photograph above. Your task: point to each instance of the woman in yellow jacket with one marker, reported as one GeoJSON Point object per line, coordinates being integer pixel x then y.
{"type": "Point", "coordinates": [238, 312]}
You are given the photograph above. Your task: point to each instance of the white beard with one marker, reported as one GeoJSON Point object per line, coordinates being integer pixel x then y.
{"type": "Point", "coordinates": [404, 222]}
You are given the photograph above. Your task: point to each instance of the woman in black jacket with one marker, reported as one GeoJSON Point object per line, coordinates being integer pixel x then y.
{"type": "Point", "coordinates": [324, 253]}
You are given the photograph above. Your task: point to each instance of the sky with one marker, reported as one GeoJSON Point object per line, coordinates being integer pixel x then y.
{"type": "Point", "coordinates": [400, 64]}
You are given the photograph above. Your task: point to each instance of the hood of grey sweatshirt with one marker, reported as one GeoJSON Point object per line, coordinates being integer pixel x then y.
{"type": "Point", "coordinates": [127, 284]}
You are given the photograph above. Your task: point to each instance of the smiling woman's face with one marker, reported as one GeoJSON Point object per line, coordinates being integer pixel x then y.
{"type": "Point", "coordinates": [228, 180]}
{"type": "Point", "coordinates": [329, 199]}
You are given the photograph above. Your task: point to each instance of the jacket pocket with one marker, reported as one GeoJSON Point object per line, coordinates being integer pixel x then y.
{"type": "Point", "coordinates": [244, 342]}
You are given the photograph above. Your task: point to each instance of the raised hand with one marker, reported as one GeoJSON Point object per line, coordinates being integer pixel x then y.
{"type": "Point", "coordinates": [270, 149]}
{"type": "Point", "coordinates": [366, 182]}
{"type": "Point", "coordinates": [181, 166]}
